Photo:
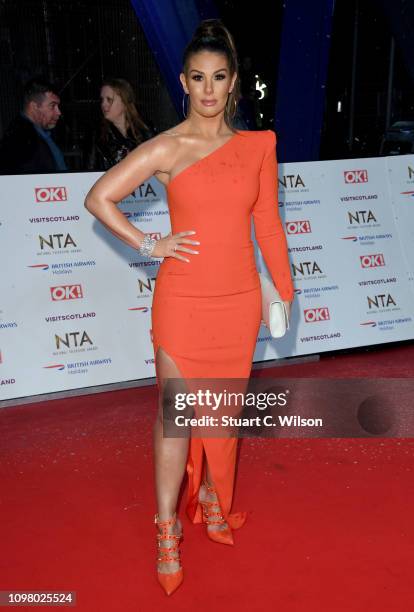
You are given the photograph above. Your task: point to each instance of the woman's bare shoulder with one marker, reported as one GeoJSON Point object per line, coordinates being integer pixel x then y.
{"type": "Point", "coordinates": [164, 142]}
{"type": "Point", "coordinates": [157, 154]}
{"type": "Point", "coordinates": [166, 146]}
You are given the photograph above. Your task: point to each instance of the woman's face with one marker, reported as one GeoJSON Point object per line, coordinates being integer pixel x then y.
{"type": "Point", "coordinates": [111, 104]}
{"type": "Point", "coordinates": [208, 82]}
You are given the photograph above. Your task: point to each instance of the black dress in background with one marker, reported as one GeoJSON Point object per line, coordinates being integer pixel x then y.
{"type": "Point", "coordinates": [106, 152]}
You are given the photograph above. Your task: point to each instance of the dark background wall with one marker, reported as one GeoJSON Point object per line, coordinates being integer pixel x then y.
{"type": "Point", "coordinates": [367, 24]}
{"type": "Point", "coordinates": [78, 43]}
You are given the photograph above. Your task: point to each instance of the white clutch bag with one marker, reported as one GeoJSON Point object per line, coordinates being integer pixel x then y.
{"type": "Point", "coordinates": [274, 313]}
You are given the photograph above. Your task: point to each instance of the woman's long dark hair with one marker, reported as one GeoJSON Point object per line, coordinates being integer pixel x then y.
{"type": "Point", "coordinates": [212, 35]}
{"type": "Point", "coordinates": [134, 122]}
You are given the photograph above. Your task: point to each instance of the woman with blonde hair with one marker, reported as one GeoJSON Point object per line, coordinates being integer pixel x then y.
{"type": "Point", "coordinates": [121, 130]}
{"type": "Point", "coordinates": [206, 309]}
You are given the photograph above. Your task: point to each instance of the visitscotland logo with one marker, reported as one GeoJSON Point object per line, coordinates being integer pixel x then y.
{"type": "Point", "coordinates": [54, 219]}
{"type": "Point", "coordinates": [50, 194]}
{"type": "Point", "coordinates": [70, 317]}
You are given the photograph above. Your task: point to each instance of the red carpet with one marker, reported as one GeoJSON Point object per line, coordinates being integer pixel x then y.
{"type": "Point", "coordinates": [330, 520]}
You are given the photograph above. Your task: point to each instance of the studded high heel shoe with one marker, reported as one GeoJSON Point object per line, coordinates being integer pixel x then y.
{"type": "Point", "coordinates": [169, 582]}
{"type": "Point", "coordinates": [215, 517]}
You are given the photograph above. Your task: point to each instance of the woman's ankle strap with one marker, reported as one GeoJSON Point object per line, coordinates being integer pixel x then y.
{"type": "Point", "coordinates": [166, 523]}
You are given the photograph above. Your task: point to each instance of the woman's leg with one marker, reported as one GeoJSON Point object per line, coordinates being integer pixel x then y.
{"type": "Point", "coordinates": [206, 495]}
{"type": "Point", "coordinates": [170, 458]}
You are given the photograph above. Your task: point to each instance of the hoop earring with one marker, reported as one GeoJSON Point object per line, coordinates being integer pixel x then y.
{"type": "Point", "coordinates": [183, 105]}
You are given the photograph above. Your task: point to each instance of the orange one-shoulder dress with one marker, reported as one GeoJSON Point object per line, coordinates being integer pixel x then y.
{"type": "Point", "coordinates": [206, 314]}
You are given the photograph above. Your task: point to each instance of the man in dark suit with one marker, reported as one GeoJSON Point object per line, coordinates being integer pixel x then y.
{"type": "Point", "coordinates": [27, 146]}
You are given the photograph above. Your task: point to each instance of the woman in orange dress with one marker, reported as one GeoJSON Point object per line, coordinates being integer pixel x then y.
{"type": "Point", "coordinates": [206, 308]}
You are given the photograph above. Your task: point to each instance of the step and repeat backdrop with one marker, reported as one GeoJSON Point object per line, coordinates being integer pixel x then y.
{"type": "Point", "coordinates": [75, 304]}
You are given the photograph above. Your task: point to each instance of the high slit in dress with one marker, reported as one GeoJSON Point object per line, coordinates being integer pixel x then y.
{"type": "Point", "coordinates": [206, 314]}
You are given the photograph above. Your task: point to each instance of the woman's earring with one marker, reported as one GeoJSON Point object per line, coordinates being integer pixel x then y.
{"type": "Point", "coordinates": [184, 109]}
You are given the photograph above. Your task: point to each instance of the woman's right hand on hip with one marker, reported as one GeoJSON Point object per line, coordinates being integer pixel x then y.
{"type": "Point", "coordinates": [171, 245]}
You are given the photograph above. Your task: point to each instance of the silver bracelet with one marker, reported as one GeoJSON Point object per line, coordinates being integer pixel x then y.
{"type": "Point", "coordinates": [147, 246]}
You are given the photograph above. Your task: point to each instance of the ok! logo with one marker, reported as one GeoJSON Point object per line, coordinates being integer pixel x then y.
{"type": "Point", "coordinates": [51, 194]}
{"type": "Point", "coordinates": [372, 261]}
{"type": "Point", "coordinates": [298, 227]}
{"type": "Point", "coordinates": [66, 292]}
{"type": "Point", "coordinates": [356, 176]}
{"type": "Point", "coordinates": [313, 315]}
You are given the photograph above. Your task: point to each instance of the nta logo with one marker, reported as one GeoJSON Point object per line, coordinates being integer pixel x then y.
{"type": "Point", "coordinates": [56, 241]}
{"type": "Point", "coordinates": [356, 176]}
{"type": "Point", "coordinates": [66, 292]}
{"type": "Point", "coordinates": [144, 191]}
{"type": "Point", "coordinates": [372, 261]}
{"type": "Point", "coordinates": [291, 181]}
{"type": "Point", "coordinates": [361, 216]}
{"type": "Point", "coordinates": [73, 340]}
{"type": "Point", "coordinates": [306, 268]}
{"type": "Point", "coordinates": [313, 315]}
{"type": "Point", "coordinates": [51, 194]}
{"type": "Point", "coordinates": [146, 286]}
{"type": "Point", "coordinates": [381, 301]}
{"type": "Point", "coordinates": [298, 227]}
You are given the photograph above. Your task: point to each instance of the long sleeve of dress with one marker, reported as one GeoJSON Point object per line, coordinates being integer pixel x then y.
{"type": "Point", "coordinates": [268, 225]}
